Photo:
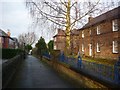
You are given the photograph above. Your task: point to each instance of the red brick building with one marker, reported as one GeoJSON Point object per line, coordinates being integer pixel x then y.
{"type": "Point", "coordinates": [74, 41]}
{"type": "Point", "coordinates": [6, 41]}
{"type": "Point", "coordinates": [100, 37]}
{"type": "Point", "coordinates": [59, 40]}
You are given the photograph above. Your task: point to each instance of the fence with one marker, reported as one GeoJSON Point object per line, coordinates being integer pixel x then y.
{"type": "Point", "coordinates": [104, 72]}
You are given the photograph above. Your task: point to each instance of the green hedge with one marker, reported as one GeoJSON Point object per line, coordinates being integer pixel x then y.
{"type": "Point", "coordinates": [10, 53]}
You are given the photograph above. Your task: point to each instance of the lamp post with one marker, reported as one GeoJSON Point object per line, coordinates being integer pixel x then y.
{"type": "Point", "coordinates": [79, 62]}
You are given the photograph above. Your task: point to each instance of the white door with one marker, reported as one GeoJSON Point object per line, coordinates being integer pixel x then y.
{"type": "Point", "coordinates": [90, 49]}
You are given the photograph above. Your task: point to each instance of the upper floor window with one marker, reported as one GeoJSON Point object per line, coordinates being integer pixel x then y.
{"type": "Point", "coordinates": [98, 29]}
{"type": "Point", "coordinates": [90, 32]}
{"type": "Point", "coordinates": [55, 47]}
{"type": "Point", "coordinates": [0, 40]}
{"type": "Point", "coordinates": [98, 47]}
{"type": "Point", "coordinates": [82, 34]}
{"type": "Point", "coordinates": [3, 40]}
{"type": "Point", "coordinates": [55, 39]}
{"type": "Point", "coordinates": [115, 25]}
{"type": "Point", "coordinates": [115, 46]}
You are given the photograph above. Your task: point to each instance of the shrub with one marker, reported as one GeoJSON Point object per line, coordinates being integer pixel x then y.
{"type": "Point", "coordinates": [10, 53]}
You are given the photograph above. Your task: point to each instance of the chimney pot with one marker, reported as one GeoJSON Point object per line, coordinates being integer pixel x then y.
{"type": "Point", "coordinates": [8, 33]}
{"type": "Point", "coordinates": [90, 19]}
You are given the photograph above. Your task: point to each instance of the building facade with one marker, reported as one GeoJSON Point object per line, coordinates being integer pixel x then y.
{"type": "Point", "coordinates": [100, 37]}
{"type": "Point", "coordinates": [59, 40]}
{"type": "Point", "coordinates": [6, 41]}
{"type": "Point", "coordinates": [74, 41]}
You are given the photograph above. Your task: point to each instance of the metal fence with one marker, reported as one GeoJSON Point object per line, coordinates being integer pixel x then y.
{"type": "Point", "coordinates": [101, 71]}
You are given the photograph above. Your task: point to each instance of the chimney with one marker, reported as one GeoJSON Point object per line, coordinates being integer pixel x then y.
{"type": "Point", "coordinates": [8, 33]}
{"type": "Point", "coordinates": [90, 18]}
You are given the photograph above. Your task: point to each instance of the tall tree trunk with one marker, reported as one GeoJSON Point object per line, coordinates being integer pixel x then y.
{"type": "Point", "coordinates": [68, 27]}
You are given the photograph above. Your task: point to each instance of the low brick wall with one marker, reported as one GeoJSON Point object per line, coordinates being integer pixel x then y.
{"type": "Point", "coordinates": [9, 68]}
{"type": "Point", "coordinates": [74, 77]}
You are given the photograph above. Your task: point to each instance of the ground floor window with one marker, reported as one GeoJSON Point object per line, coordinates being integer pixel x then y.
{"type": "Point", "coordinates": [98, 47]}
{"type": "Point", "coordinates": [115, 46]}
{"type": "Point", "coordinates": [82, 47]}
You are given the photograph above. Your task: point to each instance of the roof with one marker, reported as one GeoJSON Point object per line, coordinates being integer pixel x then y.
{"type": "Point", "coordinates": [3, 34]}
{"type": "Point", "coordinates": [15, 39]}
{"type": "Point", "coordinates": [60, 33]}
{"type": "Point", "coordinates": [112, 14]}
{"type": "Point", "coordinates": [74, 32]}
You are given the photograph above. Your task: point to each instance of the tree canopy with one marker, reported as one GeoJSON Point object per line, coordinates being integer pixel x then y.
{"type": "Point", "coordinates": [50, 45]}
{"type": "Point", "coordinates": [64, 14]}
{"type": "Point", "coordinates": [28, 47]}
{"type": "Point", "coordinates": [26, 38]}
{"type": "Point", "coordinates": [41, 46]}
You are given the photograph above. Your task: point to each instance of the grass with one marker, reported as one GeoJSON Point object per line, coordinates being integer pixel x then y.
{"type": "Point", "coordinates": [109, 62]}
{"type": "Point", "coordinates": [100, 61]}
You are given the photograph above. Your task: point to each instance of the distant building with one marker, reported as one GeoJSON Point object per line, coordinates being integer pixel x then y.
{"type": "Point", "coordinates": [59, 40]}
{"type": "Point", "coordinates": [6, 41]}
{"type": "Point", "coordinates": [74, 41]}
{"type": "Point", "coordinates": [100, 37]}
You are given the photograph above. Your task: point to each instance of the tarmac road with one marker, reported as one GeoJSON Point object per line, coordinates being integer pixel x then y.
{"type": "Point", "coordinates": [35, 74]}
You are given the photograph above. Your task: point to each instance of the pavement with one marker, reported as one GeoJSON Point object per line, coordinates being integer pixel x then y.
{"type": "Point", "coordinates": [33, 73]}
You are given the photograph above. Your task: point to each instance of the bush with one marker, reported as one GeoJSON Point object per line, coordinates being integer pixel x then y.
{"type": "Point", "coordinates": [10, 53]}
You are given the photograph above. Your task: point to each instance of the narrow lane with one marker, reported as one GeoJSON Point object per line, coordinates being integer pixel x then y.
{"type": "Point", "coordinates": [35, 74]}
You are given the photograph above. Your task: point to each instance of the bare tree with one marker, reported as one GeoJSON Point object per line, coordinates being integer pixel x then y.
{"type": "Point", "coordinates": [27, 39]}
{"type": "Point", "coordinates": [66, 14]}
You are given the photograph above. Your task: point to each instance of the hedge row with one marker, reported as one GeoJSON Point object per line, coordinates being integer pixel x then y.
{"type": "Point", "coordinates": [10, 53]}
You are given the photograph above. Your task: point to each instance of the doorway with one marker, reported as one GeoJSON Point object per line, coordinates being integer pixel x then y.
{"type": "Point", "coordinates": [90, 49]}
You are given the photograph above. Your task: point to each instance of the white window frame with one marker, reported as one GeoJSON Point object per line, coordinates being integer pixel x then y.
{"type": "Point", "coordinates": [82, 47]}
{"type": "Point", "coordinates": [98, 47]}
{"type": "Point", "coordinates": [55, 47]}
{"type": "Point", "coordinates": [83, 34]}
{"type": "Point", "coordinates": [55, 39]}
{"type": "Point", "coordinates": [115, 45]}
{"type": "Point", "coordinates": [98, 29]}
{"type": "Point", "coordinates": [115, 25]}
{"type": "Point", "coordinates": [90, 31]}
{"type": "Point", "coordinates": [0, 40]}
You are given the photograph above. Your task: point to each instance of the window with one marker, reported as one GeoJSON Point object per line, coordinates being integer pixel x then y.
{"type": "Point", "coordinates": [3, 40]}
{"type": "Point", "coordinates": [0, 40]}
{"type": "Point", "coordinates": [55, 39]}
{"type": "Point", "coordinates": [55, 47]}
{"type": "Point", "coordinates": [115, 25]}
{"type": "Point", "coordinates": [82, 34]}
{"type": "Point", "coordinates": [90, 32]}
{"type": "Point", "coordinates": [82, 47]}
{"type": "Point", "coordinates": [98, 29]}
{"type": "Point", "coordinates": [98, 47]}
{"type": "Point", "coordinates": [115, 47]}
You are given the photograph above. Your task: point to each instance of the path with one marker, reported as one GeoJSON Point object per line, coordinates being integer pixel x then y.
{"type": "Point", "coordinates": [35, 74]}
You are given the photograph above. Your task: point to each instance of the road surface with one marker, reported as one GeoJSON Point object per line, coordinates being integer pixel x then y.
{"type": "Point", "coordinates": [35, 74]}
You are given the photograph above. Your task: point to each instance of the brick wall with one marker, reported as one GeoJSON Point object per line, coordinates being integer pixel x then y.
{"type": "Point", "coordinates": [59, 41]}
{"type": "Point", "coordinates": [105, 40]}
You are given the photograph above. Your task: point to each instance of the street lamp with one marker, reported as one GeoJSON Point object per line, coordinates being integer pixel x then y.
{"type": "Point", "coordinates": [79, 62]}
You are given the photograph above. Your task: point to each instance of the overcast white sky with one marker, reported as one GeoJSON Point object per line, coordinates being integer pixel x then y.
{"type": "Point", "coordinates": [15, 17]}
